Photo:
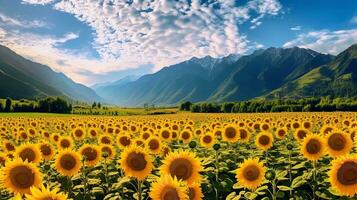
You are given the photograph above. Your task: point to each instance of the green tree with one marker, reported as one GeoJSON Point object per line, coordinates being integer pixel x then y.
{"type": "Point", "coordinates": [8, 106]}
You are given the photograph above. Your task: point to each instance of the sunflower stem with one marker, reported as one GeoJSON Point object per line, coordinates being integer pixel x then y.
{"type": "Point", "coordinates": [289, 171]}
{"type": "Point", "coordinates": [314, 163]}
{"type": "Point", "coordinates": [217, 173]}
{"type": "Point", "coordinates": [274, 189]}
{"type": "Point", "coordinates": [140, 190]}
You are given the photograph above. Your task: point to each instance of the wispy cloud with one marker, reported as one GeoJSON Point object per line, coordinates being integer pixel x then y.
{"type": "Point", "coordinates": [296, 28]}
{"type": "Point", "coordinates": [166, 32]}
{"type": "Point", "coordinates": [9, 21]}
{"type": "Point", "coordinates": [326, 41]}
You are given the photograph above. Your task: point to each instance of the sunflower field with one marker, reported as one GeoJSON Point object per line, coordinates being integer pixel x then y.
{"type": "Point", "coordinates": [179, 157]}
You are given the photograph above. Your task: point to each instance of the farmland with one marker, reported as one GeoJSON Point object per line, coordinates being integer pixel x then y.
{"type": "Point", "coordinates": [179, 156]}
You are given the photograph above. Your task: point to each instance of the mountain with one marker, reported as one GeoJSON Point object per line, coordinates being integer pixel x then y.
{"type": "Point", "coordinates": [105, 89]}
{"type": "Point", "coordinates": [337, 78]}
{"type": "Point", "coordinates": [22, 78]}
{"type": "Point", "coordinates": [219, 79]}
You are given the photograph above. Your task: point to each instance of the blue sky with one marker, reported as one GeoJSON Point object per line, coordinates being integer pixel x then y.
{"type": "Point", "coordinates": [105, 40]}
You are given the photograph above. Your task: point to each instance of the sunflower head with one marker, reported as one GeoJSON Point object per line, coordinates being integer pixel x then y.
{"type": "Point", "coordinates": [153, 144]}
{"type": "Point", "coordinates": [343, 175]}
{"type": "Point", "coordinates": [19, 176]}
{"type": "Point", "coordinates": [29, 152]}
{"type": "Point", "coordinates": [195, 192]}
{"type": "Point", "coordinates": [136, 162]}
{"type": "Point", "coordinates": [313, 147]}
{"type": "Point", "coordinates": [108, 150]}
{"type": "Point", "coordinates": [168, 188]}
{"type": "Point", "coordinates": [68, 162]}
{"type": "Point", "coordinates": [230, 134]}
{"type": "Point", "coordinates": [250, 174]}
{"type": "Point", "coordinates": [43, 193]}
{"type": "Point", "coordinates": [183, 165]}
{"type": "Point", "coordinates": [207, 140]}
{"type": "Point", "coordinates": [91, 154]}
{"type": "Point", "coordinates": [47, 151]}
{"type": "Point", "coordinates": [338, 143]}
{"type": "Point", "coordinates": [264, 140]}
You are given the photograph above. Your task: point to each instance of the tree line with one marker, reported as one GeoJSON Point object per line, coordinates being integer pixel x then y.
{"type": "Point", "coordinates": [322, 104]}
{"type": "Point", "coordinates": [46, 105]}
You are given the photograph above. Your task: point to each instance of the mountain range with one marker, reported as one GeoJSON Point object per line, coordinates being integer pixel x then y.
{"type": "Point", "coordinates": [22, 78]}
{"type": "Point", "coordinates": [264, 74]}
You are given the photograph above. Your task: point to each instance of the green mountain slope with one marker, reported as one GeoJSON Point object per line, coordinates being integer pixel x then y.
{"type": "Point", "coordinates": [337, 78]}
{"type": "Point", "coordinates": [21, 78]}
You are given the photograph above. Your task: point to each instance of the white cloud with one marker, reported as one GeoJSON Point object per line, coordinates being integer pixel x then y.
{"type": "Point", "coordinates": [296, 28]}
{"type": "Point", "coordinates": [354, 20]}
{"type": "Point", "coordinates": [9, 21]}
{"type": "Point", "coordinates": [325, 41]}
{"type": "Point", "coordinates": [164, 32]}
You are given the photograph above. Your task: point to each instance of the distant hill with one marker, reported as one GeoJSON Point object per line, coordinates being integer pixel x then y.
{"type": "Point", "coordinates": [219, 79]}
{"type": "Point", "coordinates": [105, 89]}
{"type": "Point", "coordinates": [337, 78]}
{"type": "Point", "coordinates": [22, 78]}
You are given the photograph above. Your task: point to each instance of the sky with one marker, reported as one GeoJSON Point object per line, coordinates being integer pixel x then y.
{"type": "Point", "coordinates": [96, 41]}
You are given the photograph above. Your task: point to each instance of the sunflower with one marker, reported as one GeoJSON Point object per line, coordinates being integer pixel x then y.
{"type": "Point", "coordinates": [79, 134]}
{"type": "Point", "coordinates": [301, 133]}
{"type": "Point", "coordinates": [93, 132]}
{"type": "Point", "coordinates": [230, 134]}
{"type": "Point", "coordinates": [184, 165]}
{"type": "Point", "coordinates": [43, 193]}
{"type": "Point", "coordinates": [343, 175]}
{"type": "Point", "coordinates": [19, 176]}
{"type": "Point", "coordinates": [154, 144]}
{"type": "Point", "coordinates": [165, 134]}
{"type": "Point", "coordinates": [265, 127]}
{"type": "Point", "coordinates": [281, 133]}
{"type": "Point", "coordinates": [145, 135]}
{"type": "Point", "coordinates": [338, 143]}
{"type": "Point", "coordinates": [186, 136]}
{"type": "Point", "coordinates": [207, 140]}
{"type": "Point", "coordinates": [91, 154]}
{"type": "Point", "coordinates": [65, 143]}
{"type": "Point", "coordinates": [105, 139]}
{"type": "Point", "coordinates": [107, 149]}
{"type": "Point", "coordinates": [264, 140]}
{"type": "Point", "coordinates": [55, 137]}
{"type": "Point", "coordinates": [313, 147]}
{"type": "Point", "coordinates": [29, 152]}
{"type": "Point", "coordinates": [244, 135]}
{"type": "Point", "coordinates": [123, 141]}
{"type": "Point", "coordinates": [8, 146]}
{"type": "Point", "coordinates": [250, 174]}
{"type": "Point", "coordinates": [168, 188]}
{"type": "Point", "coordinates": [46, 150]}
{"type": "Point", "coordinates": [68, 162]}
{"type": "Point", "coordinates": [136, 162]}
{"type": "Point", "coordinates": [195, 192]}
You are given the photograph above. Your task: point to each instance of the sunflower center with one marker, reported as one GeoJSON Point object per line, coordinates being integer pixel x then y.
{"type": "Point", "coordinates": [136, 161]}
{"type": "Point", "coordinates": [169, 193]}
{"type": "Point", "coordinates": [146, 136]}
{"type": "Point", "coordinates": [65, 143]}
{"type": "Point", "coordinates": [107, 150]}
{"type": "Point", "coordinates": [185, 135]}
{"type": "Point", "coordinates": [22, 177]}
{"type": "Point", "coordinates": [45, 149]}
{"type": "Point", "coordinates": [251, 173]}
{"type": "Point", "coordinates": [105, 140]}
{"type": "Point", "coordinates": [265, 127]}
{"type": "Point", "coordinates": [230, 132]}
{"type": "Point", "coordinates": [27, 154]}
{"type": "Point", "coordinates": [281, 132]}
{"type": "Point", "coordinates": [154, 144]}
{"type": "Point", "coordinates": [336, 141]}
{"type": "Point", "coordinates": [207, 139]}
{"type": "Point", "coordinates": [301, 134]}
{"type": "Point", "coordinates": [313, 146]}
{"type": "Point", "coordinates": [90, 154]}
{"type": "Point", "coordinates": [243, 134]}
{"type": "Point", "coordinates": [93, 133]}
{"type": "Point", "coordinates": [68, 162]}
{"type": "Point", "coordinates": [165, 134]}
{"type": "Point", "coordinates": [181, 168]}
{"type": "Point", "coordinates": [125, 141]}
{"type": "Point", "coordinates": [347, 173]}
{"type": "Point", "coordinates": [191, 193]}
{"type": "Point", "coordinates": [264, 140]}
{"type": "Point", "coordinates": [78, 133]}
{"type": "Point", "coordinates": [10, 147]}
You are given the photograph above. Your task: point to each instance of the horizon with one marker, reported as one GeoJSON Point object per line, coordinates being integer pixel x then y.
{"type": "Point", "coordinates": [87, 49]}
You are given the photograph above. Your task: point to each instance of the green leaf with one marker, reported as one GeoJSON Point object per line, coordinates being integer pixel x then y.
{"type": "Point", "coordinates": [250, 195]}
{"type": "Point", "coordinates": [284, 188]}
